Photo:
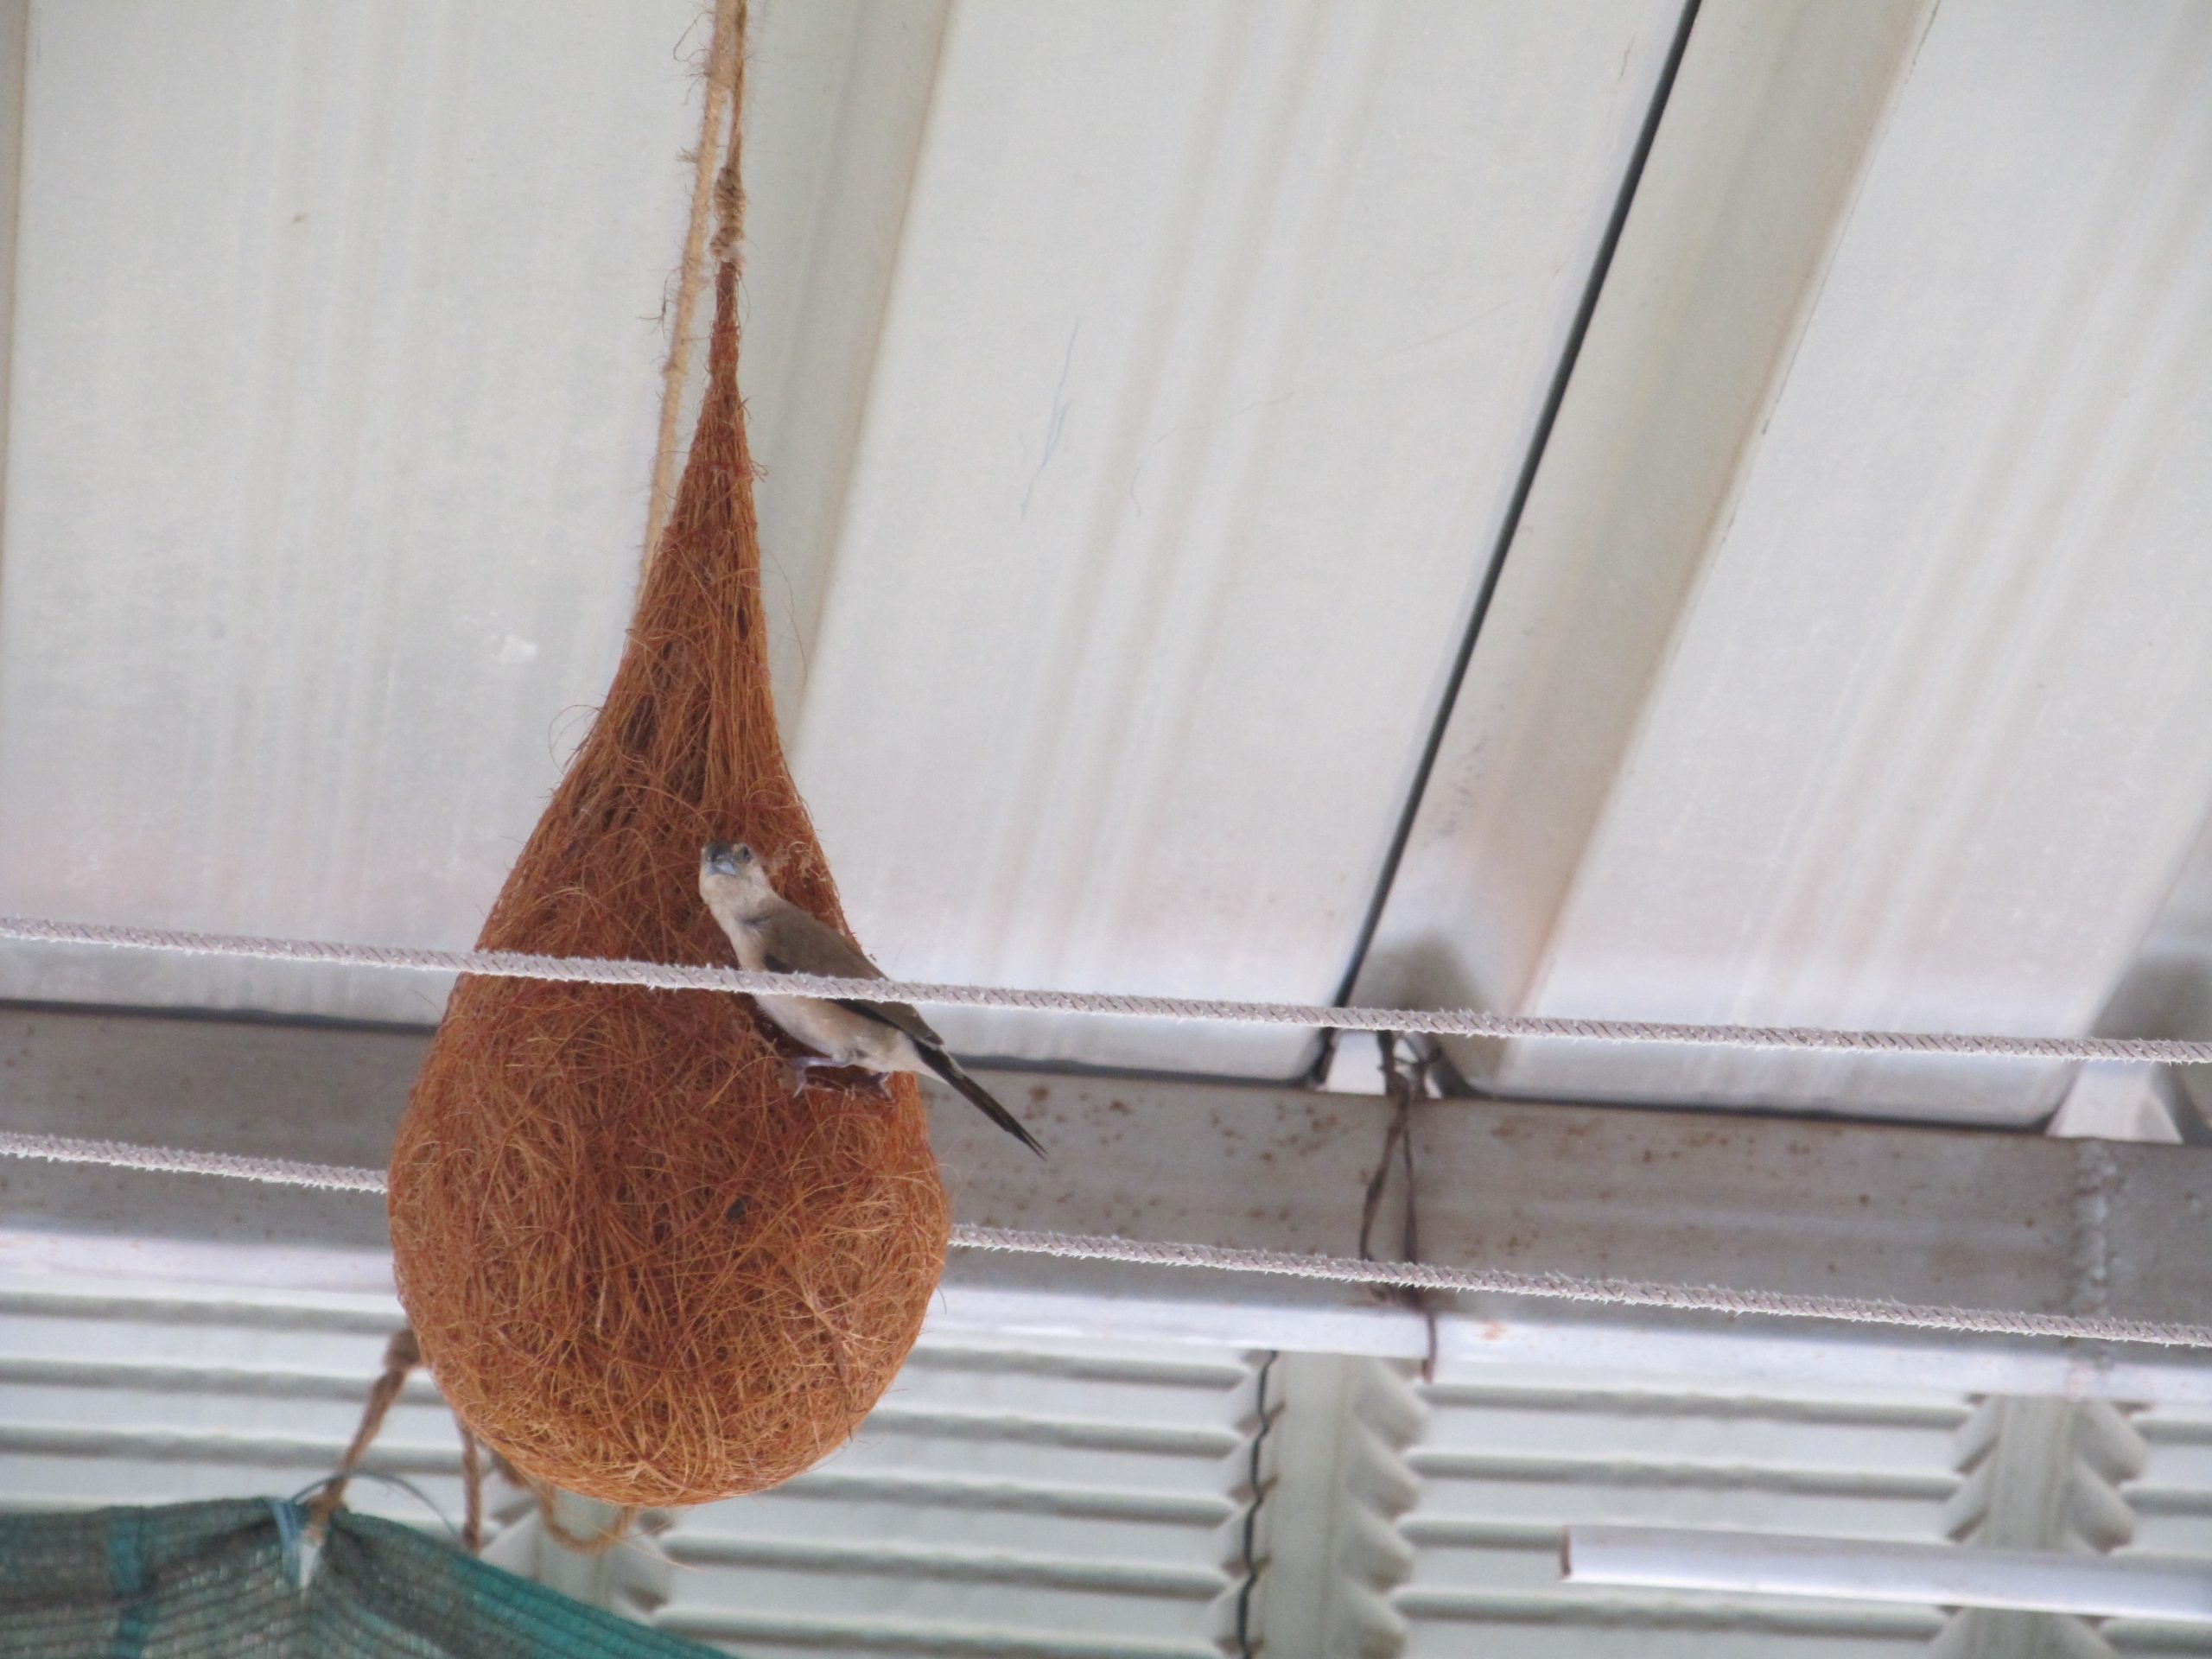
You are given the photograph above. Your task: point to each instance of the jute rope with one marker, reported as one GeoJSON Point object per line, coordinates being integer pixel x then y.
{"type": "Point", "coordinates": [472, 1489]}
{"type": "Point", "coordinates": [401, 1355]}
{"type": "Point", "coordinates": [1443, 1022]}
{"type": "Point", "coordinates": [725, 101]}
{"type": "Point", "coordinates": [1416, 1276]}
{"type": "Point", "coordinates": [582, 1543]}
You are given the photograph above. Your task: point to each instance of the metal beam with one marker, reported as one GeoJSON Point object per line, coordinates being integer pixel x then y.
{"type": "Point", "coordinates": [1979, 1220]}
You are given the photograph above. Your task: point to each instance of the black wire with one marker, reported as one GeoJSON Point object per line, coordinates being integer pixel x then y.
{"type": "Point", "coordinates": [1244, 1648]}
{"type": "Point", "coordinates": [1546, 419]}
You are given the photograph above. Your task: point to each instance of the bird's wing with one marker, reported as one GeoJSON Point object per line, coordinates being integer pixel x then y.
{"type": "Point", "coordinates": [793, 942]}
{"type": "Point", "coordinates": [803, 946]}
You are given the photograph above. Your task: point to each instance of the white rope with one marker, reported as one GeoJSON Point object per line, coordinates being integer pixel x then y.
{"type": "Point", "coordinates": [1417, 1275]}
{"type": "Point", "coordinates": [177, 1161]}
{"type": "Point", "coordinates": [1561, 1287]}
{"type": "Point", "coordinates": [1447, 1022]}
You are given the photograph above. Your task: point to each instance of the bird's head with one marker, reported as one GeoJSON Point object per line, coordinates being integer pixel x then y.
{"type": "Point", "coordinates": [731, 875]}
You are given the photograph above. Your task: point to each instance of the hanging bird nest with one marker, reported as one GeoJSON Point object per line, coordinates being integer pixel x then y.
{"type": "Point", "coordinates": [639, 1264]}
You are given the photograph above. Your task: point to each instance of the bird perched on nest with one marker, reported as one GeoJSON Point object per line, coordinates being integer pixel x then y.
{"type": "Point", "coordinates": [772, 935]}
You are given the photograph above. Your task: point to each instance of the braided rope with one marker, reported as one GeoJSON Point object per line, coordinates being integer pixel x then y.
{"type": "Point", "coordinates": [178, 1161]}
{"type": "Point", "coordinates": [1561, 1287]}
{"type": "Point", "coordinates": [1416, 1276]}
{"type": "Point", "coordinates": [1445, 1022]}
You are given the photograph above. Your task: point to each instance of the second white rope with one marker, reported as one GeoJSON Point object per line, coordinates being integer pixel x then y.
{"type": "Point", "coordinates": [1419, 1275]}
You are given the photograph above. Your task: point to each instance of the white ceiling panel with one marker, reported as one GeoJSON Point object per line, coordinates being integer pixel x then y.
{"type": "Point", "coordinates": [1141, 389]}
{"type": "Point", "coordinates": [1216, 336]}
{"type": "Point", "coordinates": [332, 400]}
{"type": "Point", "coordinates": [1849, 667]}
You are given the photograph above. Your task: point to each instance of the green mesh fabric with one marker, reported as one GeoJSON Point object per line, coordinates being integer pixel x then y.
{"type": "Point", "coordinates": [195, 1579]}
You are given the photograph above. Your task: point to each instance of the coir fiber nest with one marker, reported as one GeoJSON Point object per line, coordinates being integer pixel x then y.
{"type": "Point", "coordinates": [639, 1264]}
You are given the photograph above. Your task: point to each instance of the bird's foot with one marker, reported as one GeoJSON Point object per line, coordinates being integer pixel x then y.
{"type": "Point", "coordinates": [797, 1074]}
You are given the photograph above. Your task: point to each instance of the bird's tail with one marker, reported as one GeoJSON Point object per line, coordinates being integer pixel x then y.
{"type": "Point", "coordinates": [948, 1068]}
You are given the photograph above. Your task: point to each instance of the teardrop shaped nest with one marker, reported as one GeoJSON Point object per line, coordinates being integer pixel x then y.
{"type": "Point", "coordinates": [640, 1267]}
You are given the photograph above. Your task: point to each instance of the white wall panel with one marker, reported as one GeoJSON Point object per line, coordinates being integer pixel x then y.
{"type": "Point", "coordinates": [1502, 1468]}
{"type": "Point", "coordinates": [1053, 1499]}
{"type": "Point", "coordinates": [2169, 1507]}
{"type": "Point", "coordinates": [111, 1399]}
{"type": "Point", "coordinates": [1075, 1499]}
{"type": "Point", "coordinates": [1048, 1501]}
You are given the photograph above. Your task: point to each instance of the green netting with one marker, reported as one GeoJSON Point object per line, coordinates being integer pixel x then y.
{"type": "Point", "coordinates": [195, 1580]}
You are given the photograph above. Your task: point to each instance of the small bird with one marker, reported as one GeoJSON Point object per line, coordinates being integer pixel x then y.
{"type": "Point", "coordinates": [772, 935]}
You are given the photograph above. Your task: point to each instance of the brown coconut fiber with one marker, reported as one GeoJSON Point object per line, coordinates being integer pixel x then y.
{"type": "Point", "coordinates": [639, 1266]}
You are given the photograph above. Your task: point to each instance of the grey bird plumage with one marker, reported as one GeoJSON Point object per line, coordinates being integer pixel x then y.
{"type": "Point", "coordinates": [772, 935]}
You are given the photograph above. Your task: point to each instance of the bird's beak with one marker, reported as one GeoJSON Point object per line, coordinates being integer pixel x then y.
{"type": "Point", "coordinates": [718, 859]}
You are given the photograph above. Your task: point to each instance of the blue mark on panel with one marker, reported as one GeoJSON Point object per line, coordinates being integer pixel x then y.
{"type": "Point", "coordinates": [1057, 424]}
